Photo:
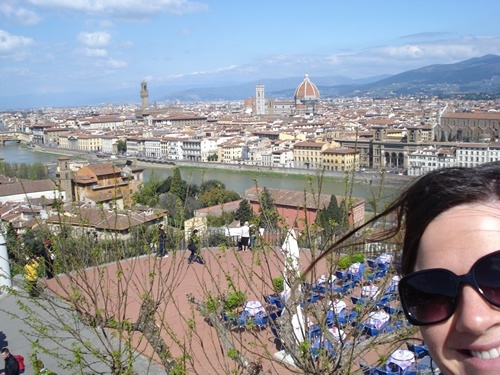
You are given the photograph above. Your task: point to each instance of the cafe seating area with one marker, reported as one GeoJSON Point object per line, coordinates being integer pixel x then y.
{"type": "Point", "coordinates": [347, 307]}
{"type": "Point", "coordinates": [404, 362]}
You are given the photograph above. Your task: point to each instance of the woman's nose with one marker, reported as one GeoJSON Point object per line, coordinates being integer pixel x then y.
{"type": "Point", "coordinates": [474, 314]}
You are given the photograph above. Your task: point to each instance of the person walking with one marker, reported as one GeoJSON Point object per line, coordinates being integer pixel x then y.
{"type": "Point", "coordinates": [194, 248]}
{"type": "Point", "coordinates": [162, 239]}
{"type": "Point", "coordinates": [11, 365]}
{"type": "Point", "coordinates": [31, 268]}
{"type": "Point", "coordinates": [245, 236]}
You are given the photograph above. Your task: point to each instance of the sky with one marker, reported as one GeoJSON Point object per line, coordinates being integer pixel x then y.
{"type": "Point", "coordinates": [64, 50]}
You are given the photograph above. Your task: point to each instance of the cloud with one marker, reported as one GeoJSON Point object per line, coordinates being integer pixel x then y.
{"type": "Point", "coordinates": [16, 71]}
{"type": "Point", "coordinates": [12, 46]}
{"type": "Point", "coordinates": [389, 59]}
{"type": "Point", "coordinates": [19, 14]}
{"type": "Point", "coordinates": [214, 71]}
{"type": "Point", "coordinates": [94, 40]}
{"type": "Point", "coordinates": [129, 8]}
{"type": "Point", "coordinates": [95, 52]}
{"type": "Point", "coordinates": [426, 35]}
{"type": "Point", "coordinates": [111, 63]}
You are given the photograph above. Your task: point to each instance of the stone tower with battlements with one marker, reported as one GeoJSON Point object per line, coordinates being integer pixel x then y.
{"type": "Point", "coordinates": [144, 95]}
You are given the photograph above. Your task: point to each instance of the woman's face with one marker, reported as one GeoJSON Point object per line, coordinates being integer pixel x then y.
{"type": "Point", "coordinates": [455, 240]}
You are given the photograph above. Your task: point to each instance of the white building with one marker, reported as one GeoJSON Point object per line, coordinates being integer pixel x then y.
{"type": "Point", "coordinates": [282, 158]}
{"type": "Point", "coordinates": [109, 144]}
{"type": "Point", "coordinates": [494, 151]}
{"type": "Point", "coordinates": [422, 161]}
{"type": "Point", "coordinates": [152, 148]}
{"type": "Point", "coordinates": [135, 146]}
{"type": "Point", "coordinates": [472, 154]}
{"type": "Point", "coordinates": [208, 148]}
{"type": "Point", "coordinates": [28, 191]}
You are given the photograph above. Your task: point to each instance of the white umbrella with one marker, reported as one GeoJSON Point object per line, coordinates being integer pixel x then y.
{"type": "Point", "coordinates": [290, 251]}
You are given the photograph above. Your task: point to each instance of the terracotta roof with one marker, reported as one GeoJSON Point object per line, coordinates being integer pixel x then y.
{"type": "Point", "coordinates": [341, 150]}
{"type": "Point", "coordinates": [219, 209]}
{"type": "Point", "coordinates": [306, 90]}
{"type": "Point", "coordinates": [103, 169]}
{"type": "Point", "coordinates": [468, 115]}
{"type": "Point", "coordinates": [26, 187]}
{"type": "Point", "coordinates": [105, 219]}
{"type": "Point", "coordinates": [296, 198]}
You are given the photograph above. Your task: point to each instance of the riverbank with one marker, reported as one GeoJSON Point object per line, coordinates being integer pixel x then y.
{"type": "Point", "coordinates": [362, 177]}
{"type": "Point", "coordinates": [368, 177]}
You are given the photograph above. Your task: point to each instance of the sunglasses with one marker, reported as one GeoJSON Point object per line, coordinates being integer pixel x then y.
{"type": "Point", "coordinates": [431, 296]}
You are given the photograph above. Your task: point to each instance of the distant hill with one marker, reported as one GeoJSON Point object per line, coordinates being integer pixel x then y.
{"type": "Point", "coordinates": [476, 75]}
{"type": "Point", "coordinates": [274, 88]}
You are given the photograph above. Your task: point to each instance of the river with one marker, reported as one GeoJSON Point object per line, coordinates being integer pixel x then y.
{"type": "Point", "coordinates": [239, 181]}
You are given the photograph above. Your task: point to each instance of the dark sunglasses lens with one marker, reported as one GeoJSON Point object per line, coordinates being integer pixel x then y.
{"type": "Point", "coordinates": [487, 275]}
{"type": "Point", "coordinates": [429, 297]}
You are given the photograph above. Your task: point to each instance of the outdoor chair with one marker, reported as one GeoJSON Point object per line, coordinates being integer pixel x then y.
{"type": "Point", "coordinates": [260, 319]}
{"type": "Point", "coordinates": [231, 320]}
{"type": "Point", "coordinates": [383, 371]}
{"type": "Point", "coordinates": [341, 275]}
{"type": "Point", "coordinates": [320, 289]}
{"type": "Point", "coordinates": [314, 331]}
{"type": "Point", "coordinates": [366, 369]}
{"type": "Point", "coordinates": [342, 289]}
{"type": "Point", "coordinates": [357, 300]}
{"type": "Point", "coordinates": [420, 351]}
{"type": "Point", "coordinates": [274, 300]}
{"type": "Point", "coordinates": [371, 263]}
{"type": "Point", "coordinates": [392, 310]}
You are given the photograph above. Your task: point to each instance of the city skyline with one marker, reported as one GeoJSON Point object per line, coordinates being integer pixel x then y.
{"type": "Point", "coordinates": [53, 52]}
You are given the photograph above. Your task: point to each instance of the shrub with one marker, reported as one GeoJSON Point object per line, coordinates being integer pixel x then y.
{"type": "Point", "coordinates": [344, 262]}
{"type": "Point", "coordinates": [235, 300]}
{"type": "Point", "coordinates": [358, 258]}
{"type": "Point", "coordinates": [278, 284]}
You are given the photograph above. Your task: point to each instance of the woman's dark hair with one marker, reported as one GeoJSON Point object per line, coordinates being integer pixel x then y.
{"type": "Point", "coordinates": [426, 198]}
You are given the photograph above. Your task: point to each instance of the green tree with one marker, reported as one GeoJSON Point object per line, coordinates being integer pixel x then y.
{"type": "Point", "coordinates": [333, 218]}
{"type": "Point", "coordinates": [244, 211]}
{"type": "Point", "coordinates": [33, 241]}
{"type": "Point", "coordinates": [210, 185]}
{"type": "Point", "coordinates": [23, 171]}
{"type": "Point", "coordinates": [38, 171]}
{"type": "Point", "coordinates": [121, 146]}
{"type": "Point", "coordinates": [268, 214]}
{"type": "Point", "coordinates": [190, 205]}
{"type": "Point", "coordinates": [215, 197]}
{"type": "Point", "coordinates": [213, 157]}
{"type": "Point", "coordinates": [5, 169]}
{"type": "Point", "coordinates": [177, 187]}
{"type": "Point", "coordinates": [148, 192]}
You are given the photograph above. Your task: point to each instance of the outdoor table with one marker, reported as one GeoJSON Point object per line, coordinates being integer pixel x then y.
{"type": "Point", "coordinates": [320, 340]}
{"type": "Point", "coordinates": [384, 258]}
{"type": "Point", "coordinates": [337, 333]}
{"type": "Point", "coordinates": [369, 291]}
{"type": "Point", "coordinates": [337, 305]}
{"type": "Point", "coordinates": [403, 358]}
{"type": "Point", "coordinates": [253, 307]}
{"type": "Point", "coordinates": [377, 318]}
{"type": "Point", "coordinates": [322, 279]}
{"type": "Point", "coordinates": [354, 268]}
{"type": "Point", "coordinates": [393, 284]}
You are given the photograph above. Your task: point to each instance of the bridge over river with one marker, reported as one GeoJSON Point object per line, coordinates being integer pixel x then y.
{"type": "Point", "coordinates": [10, 137]}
